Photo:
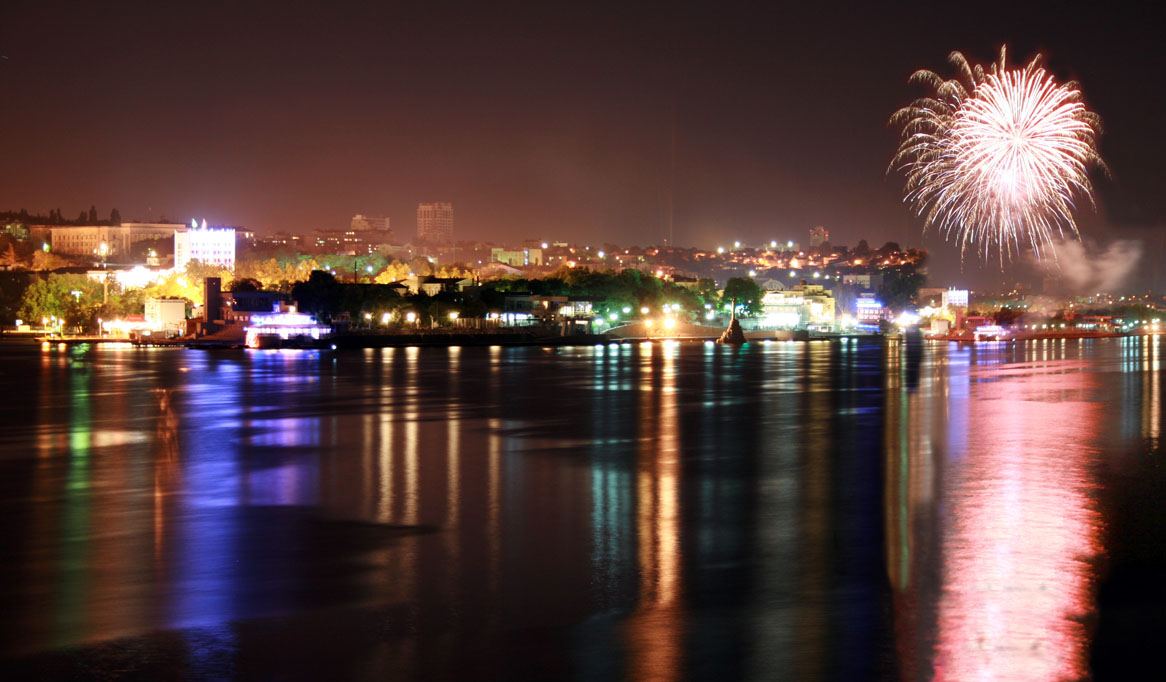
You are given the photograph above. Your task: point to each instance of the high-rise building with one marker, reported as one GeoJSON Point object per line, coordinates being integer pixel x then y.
{"type": "Point", "coordinates": [818, 236]}
{"type": "Point", "coordinates": [435, 223]}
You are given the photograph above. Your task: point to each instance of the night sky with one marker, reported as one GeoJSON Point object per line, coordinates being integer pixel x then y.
{"type": "Point", "coordinates": [536, 120]}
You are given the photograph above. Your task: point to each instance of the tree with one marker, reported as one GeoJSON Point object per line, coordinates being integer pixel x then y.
{"type": "Point", "coordinates": [47, 260]}
{"type": "Point", "coordinates": [706, 288]}
{"type": "Point", "coordinates": [8, 259]}
{"type": "Point", "coordinates": [197, 271]}
{"type": "Point", "coordinates": [747, 292]}
{"type": "Point", "coordinates": [72, 298]}
{"type": "Point", "coordinates": [245, 284]}
{"type": "Point", "coordinates": [393, 272]}
{"type": "Point", "coordinates": [92, 215]}
{"type": "Point", "coordinates": [898, 292]}
{"type": "Point", "coordinates": [115, 217]}
{"type": "Point", "coordinates": [1006, 317]}
{"type": "Point", "coordinates": [320, 294]}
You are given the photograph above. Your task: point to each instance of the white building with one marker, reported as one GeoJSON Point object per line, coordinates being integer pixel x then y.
{"type": "Point", "coordinates": [212, 245]}
{"type": "Point", "coordinates": [955, 298]}
{"type": "Point", "coordinates": [803, 306]}
{"type": "Point", "coordinates": [112, 241]}
{"type": "Point", "coordinates": [166, 313]}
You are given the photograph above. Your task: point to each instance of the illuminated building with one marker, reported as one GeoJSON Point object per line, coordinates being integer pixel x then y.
{"type": "Point", "coordinates": [212, 245]}
{"type": "Point", "coordinates": [818, 236]}
{"type": "Point", "coordinates": [435, 223]}
{"type": "Point", "coordinates": [955, 298]}
{"type": "Point", "coordinates": [805, 305]}
{"type": "Point", "coordinates": [868, 309]}
{"type": "Point", "coordinates": [86, 240]}
{"type": "Point", "coordinates": [517, 258]}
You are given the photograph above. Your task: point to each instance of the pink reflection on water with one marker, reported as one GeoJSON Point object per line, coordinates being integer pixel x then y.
{"type": "Point", "coordinates": [1020, 529]}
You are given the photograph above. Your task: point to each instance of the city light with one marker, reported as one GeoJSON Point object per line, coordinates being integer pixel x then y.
{"type": "Point", "coordinates": [410, 317]}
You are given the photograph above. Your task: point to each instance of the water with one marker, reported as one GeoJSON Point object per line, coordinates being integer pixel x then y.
{"type": "Point", "coordinates": [810, 511]}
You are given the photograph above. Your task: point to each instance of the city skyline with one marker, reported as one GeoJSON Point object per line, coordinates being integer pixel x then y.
{"type": "Point", "coordinates": [577, 123]}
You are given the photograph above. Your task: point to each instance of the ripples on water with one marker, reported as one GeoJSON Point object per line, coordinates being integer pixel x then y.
{"type": "Point", "coordinates": [846, 510]}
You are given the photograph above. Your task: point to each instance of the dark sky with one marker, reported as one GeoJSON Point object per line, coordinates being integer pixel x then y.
{"type": "Point", "coordinates": [535, 119]}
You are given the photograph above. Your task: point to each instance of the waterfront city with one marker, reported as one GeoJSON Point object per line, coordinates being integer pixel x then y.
{"type": "Point", "coordinates": [604, 341]}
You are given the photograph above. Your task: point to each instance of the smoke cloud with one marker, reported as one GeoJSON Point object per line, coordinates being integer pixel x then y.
{"type": "Point", "coordinates": [1084, 268]}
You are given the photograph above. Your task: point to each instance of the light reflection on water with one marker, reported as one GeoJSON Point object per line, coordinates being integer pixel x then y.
{"type": "Point", "coordinates": [649, 511]}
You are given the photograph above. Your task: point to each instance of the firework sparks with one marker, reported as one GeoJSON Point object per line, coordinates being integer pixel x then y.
{"type": "Point", "coordinates": [996, 159]}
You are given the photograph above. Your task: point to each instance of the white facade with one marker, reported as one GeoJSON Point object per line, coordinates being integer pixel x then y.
{"type": "Point", "coordinates": [112, 241]}
{"type": "Point", "coordinates": [212, 245]}
{"type": "Point", "coordinates": [806, 305]}
{"type": "Point", "coordinates": [166, 312]}
{"type": "Point", "coordinates": [955, 298]}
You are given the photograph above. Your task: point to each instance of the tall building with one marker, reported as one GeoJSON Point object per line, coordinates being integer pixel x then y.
{"type": "Point", "coordinates": [214, 245]}
{"type": "Point", "coordinates": [435, 223]}
{"type": "Point", "coordinates": [818, 236]}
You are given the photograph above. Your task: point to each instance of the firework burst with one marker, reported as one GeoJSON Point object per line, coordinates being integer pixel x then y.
{"type": "Point", "coordinates": [997, 158]}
